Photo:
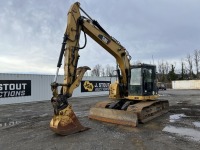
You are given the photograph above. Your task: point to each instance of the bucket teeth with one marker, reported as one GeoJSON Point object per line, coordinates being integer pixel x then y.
{"type": "Point", "coordinates": [66, 122]}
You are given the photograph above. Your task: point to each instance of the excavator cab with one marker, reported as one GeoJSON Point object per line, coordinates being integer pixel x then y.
{"type": "Point", "coordinates": [142, 81]}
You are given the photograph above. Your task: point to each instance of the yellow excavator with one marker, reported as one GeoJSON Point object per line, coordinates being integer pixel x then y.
{"type": "Point", "coordinates": [132, 98]}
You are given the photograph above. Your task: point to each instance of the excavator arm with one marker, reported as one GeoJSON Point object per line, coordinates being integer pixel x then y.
{"type": "Point", "coordinates": [64, 121]}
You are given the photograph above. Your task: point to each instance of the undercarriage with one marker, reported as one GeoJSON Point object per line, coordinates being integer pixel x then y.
{"type": "Point", "coordinates": [128, 113]}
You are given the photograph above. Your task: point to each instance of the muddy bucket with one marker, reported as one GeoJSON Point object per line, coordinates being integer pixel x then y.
{"type": "Point", "coordinates": [121, 117]}
{"type": "Point", "coordinates": [66, 122]}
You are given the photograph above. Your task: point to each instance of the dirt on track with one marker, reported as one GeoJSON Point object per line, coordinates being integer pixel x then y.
{"type": "Point", "coordinates": [26, 126]}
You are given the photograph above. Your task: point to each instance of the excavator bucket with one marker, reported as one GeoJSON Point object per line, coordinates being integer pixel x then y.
{"type": "Point", "coordinates": [66, 122]}
{"type": "Point", "coordinates": [121, 117]}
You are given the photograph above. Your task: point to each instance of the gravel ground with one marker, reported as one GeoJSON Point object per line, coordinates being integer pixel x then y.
{"type": "Point", "coordinates": [26, 126]}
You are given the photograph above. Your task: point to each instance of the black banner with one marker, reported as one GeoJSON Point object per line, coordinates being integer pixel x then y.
{"type": "Point", "coordinates": [95, 86]}
{"type": "Point", "coordinates": [15, 88]}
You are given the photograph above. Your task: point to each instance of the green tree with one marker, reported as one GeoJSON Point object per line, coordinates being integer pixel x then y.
{"type": "Point", "coordinates": [172, 75]}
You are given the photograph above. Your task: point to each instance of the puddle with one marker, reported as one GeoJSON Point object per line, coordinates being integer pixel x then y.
{"type": "Point", "coordinates": [44, 115]}
{"type": "Point", "coordinates": [176, 117]}
{"type": "Point", "coordinates": [82, 113]}
{"type": "Point", "coordinates": [164, 94]}
{"type": "Point", "coordinates": [188, 133]}
{"type": "Point", "coordinates": [182, 102]}
{"type": "Point", "coordinates": [185, 108]}
{"type": "Point", "coordinates": [10, 123]}
{"type": "Point", "coordinates": [196, 124]}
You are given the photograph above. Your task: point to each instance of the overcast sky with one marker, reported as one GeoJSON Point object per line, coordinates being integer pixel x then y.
{"type": "Point", "coordinates": [31, 31]}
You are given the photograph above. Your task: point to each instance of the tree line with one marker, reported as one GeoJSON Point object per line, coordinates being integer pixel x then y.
{"type": "Point", "coordinates": [166, 72]}
{"type": "Point", "coordinates": [100, 71]}
{"type": "Point", "coordinates": [189, 69]}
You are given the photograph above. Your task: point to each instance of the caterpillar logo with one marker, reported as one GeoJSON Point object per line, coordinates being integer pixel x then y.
{"type": "Point", "coordinates": [88, 86]}
{"type": "Point", "coordinates": [95, 86]}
